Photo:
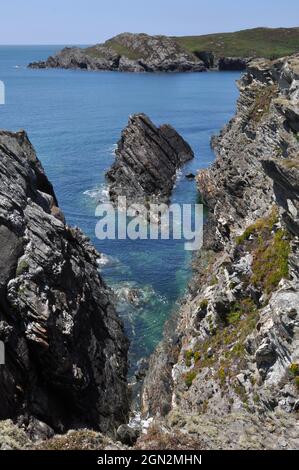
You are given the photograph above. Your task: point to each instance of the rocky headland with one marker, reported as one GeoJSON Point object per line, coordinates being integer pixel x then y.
{"type": "Point", "coordinates": [65, 349]}
{"type": "Point", "coordinates": [226, 375]}
{"type": "Point", "coordinates": [127, 52]}
{"type": "Point", "coordinates": [147, 160]}
{"type": "Point", "coordinates": [130, 52]}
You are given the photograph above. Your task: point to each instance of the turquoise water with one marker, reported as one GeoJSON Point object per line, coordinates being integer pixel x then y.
{"type": "Point", "coordinates": [74, 120]}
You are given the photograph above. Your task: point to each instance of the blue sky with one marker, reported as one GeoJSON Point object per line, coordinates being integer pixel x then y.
{"type": "Point", "coordinates": [91, 21]}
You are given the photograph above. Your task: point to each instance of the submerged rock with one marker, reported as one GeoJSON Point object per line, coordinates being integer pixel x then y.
{"type": "Point", "coordinates": [66, 352]}
{"type": "Point", "coordinates": [147, 159]}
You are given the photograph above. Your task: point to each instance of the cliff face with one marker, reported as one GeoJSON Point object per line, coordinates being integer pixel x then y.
{"type": "Point", "coordinates": [228, 373]}
{"type": "Point", "coordinates": [66, 353]}
{"type": "Point", "coordinates": [147, 159]}
{"type": "Point", "coordinates": [127, 52]}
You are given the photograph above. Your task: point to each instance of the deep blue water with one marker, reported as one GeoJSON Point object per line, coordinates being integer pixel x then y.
{"type": "Point", "coordinates": [74, 119]}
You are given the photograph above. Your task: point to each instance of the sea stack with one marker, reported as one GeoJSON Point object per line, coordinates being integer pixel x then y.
{"type": "Point", "coordinates": [147, 159]}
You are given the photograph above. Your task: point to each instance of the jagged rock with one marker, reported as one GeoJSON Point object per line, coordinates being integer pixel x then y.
{"type": "Point", "coordinates": [147, 159]}
{"type": "Point", "coordinates": [12, 437]}
{"type": "Point", "coordinates": [127, 52]}
{"type": "Point", "coordinates": [66, 353]}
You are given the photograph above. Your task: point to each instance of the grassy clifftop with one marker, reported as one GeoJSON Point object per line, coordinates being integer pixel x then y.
{"type": "Point", "coordinates": [258, 42]}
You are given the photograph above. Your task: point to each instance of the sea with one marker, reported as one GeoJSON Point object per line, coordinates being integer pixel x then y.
{"type": "Point", "coordinates": [74, 120]}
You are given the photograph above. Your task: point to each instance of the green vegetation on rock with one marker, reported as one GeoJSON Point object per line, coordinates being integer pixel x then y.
{"type": "Point", "coordinates": [123, 50]}
{"type": "Point", "coordinates": [270, 251]}
{"type": "Point", "coordinates": [261, 225]}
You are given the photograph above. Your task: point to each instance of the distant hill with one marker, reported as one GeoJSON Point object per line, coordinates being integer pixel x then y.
{"type": "Point", "coordinates": [259, 42]}
{"type": "Point", "coordinates": [129, 52]}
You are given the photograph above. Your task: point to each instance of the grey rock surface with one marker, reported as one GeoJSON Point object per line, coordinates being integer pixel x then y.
{"type": "Point", "coordinates": [232, 63]}
{"type": "Point", "coordinates": [147, 159]}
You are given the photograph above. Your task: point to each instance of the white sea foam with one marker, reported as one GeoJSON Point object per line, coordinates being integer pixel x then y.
{"type": "Point", "coordinates": [99, 193]}
{"type": "Point", "coordinates": [113, 149]}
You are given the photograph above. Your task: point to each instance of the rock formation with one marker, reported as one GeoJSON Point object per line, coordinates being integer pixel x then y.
{"type": "Point", "coordinates": [127, 53]}
{"type": "Point", "coordinates": [66, 353]}
{"type": "Point", "coordinates": [147, 159]}
{"type": "Point", "coordinates": [227, 371]}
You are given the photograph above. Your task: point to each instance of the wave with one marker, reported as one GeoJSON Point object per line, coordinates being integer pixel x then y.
{"type": "Point", "coordinates": [100, 193]}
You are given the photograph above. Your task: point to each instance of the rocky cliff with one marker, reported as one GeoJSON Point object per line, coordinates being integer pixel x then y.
{"type": "Point", "coordinates": [147, 159]}
{"type": "Point", "coordinates": [227, 371]}
{"type": "Point", "coordinates": [144, 53]}
{"type": "Point", "coordinates": [127, 52]}
{"type": "Point", "coordinates": [66, 353]}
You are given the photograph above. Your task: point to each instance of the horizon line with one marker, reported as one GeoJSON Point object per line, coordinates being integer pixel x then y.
{"type": "Point", "coordinates": [160, 34]}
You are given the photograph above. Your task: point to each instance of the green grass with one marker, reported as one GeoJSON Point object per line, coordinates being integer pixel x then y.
{"type": "Point", "coordinates": [239, 309]}
{"type": "Point", "coordinates": [258, 42]}
{"type": "Point", "coordinates": [270, 263]}
{"type": "Point", "coordinates": [204, 304]}
{"type": "Point", "coordinates": [294, 369]}
{"type": "Point", "coordinates": [94, 52]}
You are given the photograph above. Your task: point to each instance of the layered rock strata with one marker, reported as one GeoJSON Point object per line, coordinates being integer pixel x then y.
{"type": "Point", "coordinates": [65, 349]}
